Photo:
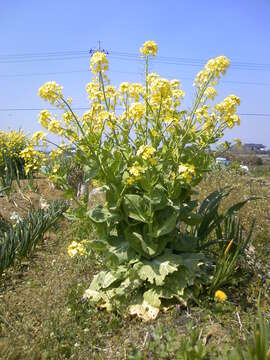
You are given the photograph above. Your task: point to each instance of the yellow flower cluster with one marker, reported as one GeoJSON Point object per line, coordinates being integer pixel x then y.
{"type": "Point", "coordinates": [99, 62]}
{"type": "Point", "coordinates": [149, 48]}
{"type": "Point", "coordinates": [51, 92]}
{"type": "Point", "coordinates": [55, 127]}
{"type": "Point", "coordinates": [32, 158]}
{"type": "Point", "coordinates": [212, 71]}
{"type": "Point", "coordinates": [51, 123]}
{"type": "Point", "coordinates": [137, 111]}
{"type": "Point", "coordinates": [93, 90]}
{"type": "Point", "coordinates": [135, 91]}
{"type": "Point", "coordinates": [135, 172]}
{"type": "Point", "coordinates": [210, 93]}
{"type": "Point", "coordinates": [226, 110]}
{"type": "Point", "coordinates": [44, 118]}
{"type": "Point", "coordinates": [12, 142]}
{"type": "Point", "coordinates": [186, 171]}
{"type": "Point", "coordinates": [76, 248]}
{"type": "Point", "coordinates": [164, 94]}
{"type": "Point", "coordinates": [202, 113]}
{"type": "Point", "coordinates": [146, 151]}
{"type": "Point", "coordinates": [39, 136]}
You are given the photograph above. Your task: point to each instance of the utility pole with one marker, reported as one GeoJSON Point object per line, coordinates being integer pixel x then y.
{"type": "Point", "coordinates": [93, 50]}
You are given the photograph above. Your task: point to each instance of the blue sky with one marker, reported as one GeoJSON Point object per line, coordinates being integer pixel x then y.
{"type": "Point", "coordinates": [183, 29]}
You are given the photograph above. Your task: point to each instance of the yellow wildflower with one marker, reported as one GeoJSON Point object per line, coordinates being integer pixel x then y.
{"type": "Point", "coordinates": [38, 136]}
{"type": "Point", "coordinates": [146, 151]}
{"type": "Point", "coordinates": [99, 62]}
{"type": "Point", "coordinates": [76, 248]}
{"type": "Point", "coordinates": [44, 118]}
{"type": "Point", "coordinates": [136, 171]}
{"type": "Point", "coordinates": [210, 93]}
{"type": "Point", "coordinates": [186, 171]}
{"type": "Point", "coordinates": [149, 48]}
{"type": "Point", "coordinates": [135, 90]}
{"type": "Point", "coordinates": [124, 87]}
{"type": "Point", "coordinates": [220, 296]}
{"type": "Point", "coordinates": [136, 111]}
{"type": "Point", "coordinates": [54, 126]}
{"type": "Point", "coordinates": [51, 92]}
{"type": "Point", "coordinates": [212, 71]}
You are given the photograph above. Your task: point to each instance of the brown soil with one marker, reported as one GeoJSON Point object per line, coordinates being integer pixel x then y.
{"type": "Point", "coordinates": [25, 198]}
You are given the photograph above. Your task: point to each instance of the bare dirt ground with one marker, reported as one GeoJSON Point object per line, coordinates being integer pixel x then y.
{"type": "Point", "coordinates": [26, 197]}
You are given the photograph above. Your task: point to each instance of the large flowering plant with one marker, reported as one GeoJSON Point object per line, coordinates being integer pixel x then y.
{"type": "Point", "coordinates": [18, 153]}
{"type": "Point", "coordinates": [149, 154]}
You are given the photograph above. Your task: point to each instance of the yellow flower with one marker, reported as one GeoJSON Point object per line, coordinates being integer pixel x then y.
{"type": "Point", "coordinates": [124, 87]}
{"type": "Point", "coordinates": [186, 171]}
{"type": "Point", "coordinates": [99, 62]}
{"type": "Point", "coordinates": [93, 90]}
{"type": "Point", "coordinates": [136, 111]}
{"type": "Point", "coordinates": [146, 151]}
{"type": "Point", "coordinates": [212, 71]}
{"type": "Point", "coordinates": [149, 48]}
{"type": "Point", "coordinates": [32, 158]}
{"type": "Point", "coordinates": [67, 117]}
{"type": "Point", "coordinates": [44, 118]}
{"type": "Point", "coordinates": [220, 296]}
{"type": "Point", "coordinates": [51, 92]}
{"type": "Point", "coordinates": [135, 90]}
{"type": "Point", "coordinates": [136, 171]}
{"type": "Point", "coordinates": [210, 93]}
{"type": "Point", "coordinates": [38, 136]}
{"type": "Point", "coordinates": [54, 126]}
{"type": "Point", "coordinates": [154, 132]}
{"type": "Point", "coordinates": [76, 249]}
{"type": "Point", "coordinates": [226, 109]}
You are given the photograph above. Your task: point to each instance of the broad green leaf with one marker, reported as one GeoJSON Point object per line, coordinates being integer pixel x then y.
{"type": "Point", "coordinates": [151, 296]}
{"type": "Point", "coordinates": [136, 207]}
{"type": "Point", "coordinates": [99, 214]}
{"type": "Point", "coordinates": [158, 197]}
{"type": "Point", "coordinates": [156, 270]}
{"type": "Point", "coordinates": [140, 241]}
{"type": "Point", "coordinates": [165, 221]}
{"type": "Point", "coordinates": [119, 251]}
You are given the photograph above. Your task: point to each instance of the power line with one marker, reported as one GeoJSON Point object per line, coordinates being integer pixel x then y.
{"type": "Point", "coordinates": [71, 55]}
{"type": "Point", "coordinates": [122, 72]}
{"type": "Point", "coordinates": [87, 108]}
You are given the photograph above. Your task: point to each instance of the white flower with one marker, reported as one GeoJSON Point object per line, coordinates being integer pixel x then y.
{"type": "Point", "coordinates": [15, 216]}
{"type": "Point", "coordinates": [43, 203]}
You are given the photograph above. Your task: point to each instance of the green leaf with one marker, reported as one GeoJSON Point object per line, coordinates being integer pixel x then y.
{"type": "Point", "coordinates": [99, 214]}
{"type": "Point", "coordinates": [156, 270]}
{"type": "Point", "coordinates": [165, 221]}
{"type": "Point", "coordinates": [151, 296]}
{"type": "Point", "coordinates": [98, 245]}
{"type": "Point", "coordinates": [158, 197]}
{"type": "Point", "coordinates": [192, 219]}
{"type": "Point", "coordinates": [136, 207]}
{"type": "Point", "coordinates": [119, 251]}
{"type": "Point", "coordinates": [185, 243]}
